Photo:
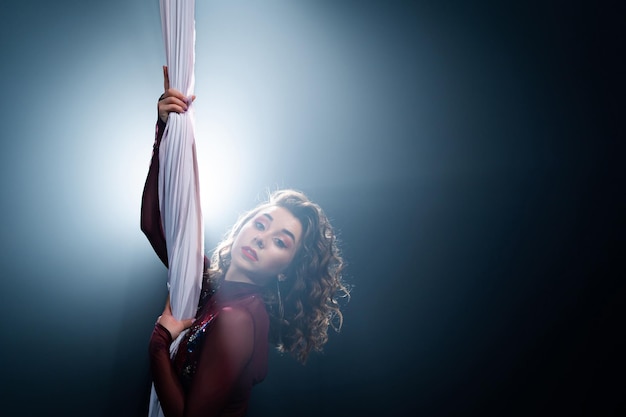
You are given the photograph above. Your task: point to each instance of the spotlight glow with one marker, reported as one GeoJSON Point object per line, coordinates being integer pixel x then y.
{"type": "Point", "coordinates": [223, 164]}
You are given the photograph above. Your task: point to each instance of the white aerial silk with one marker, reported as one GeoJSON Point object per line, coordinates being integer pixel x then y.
{"type": "Point", "coordinates": [179, 187]}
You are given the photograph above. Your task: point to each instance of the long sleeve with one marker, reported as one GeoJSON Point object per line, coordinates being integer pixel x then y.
{"type": "Point", "coordinates": [151, 224]}
{"type": "Point", "coordinates": [226, 352]}
{"type": "Point", "coordinates": [166, 382]}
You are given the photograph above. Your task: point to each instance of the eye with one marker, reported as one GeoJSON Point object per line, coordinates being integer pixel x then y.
{"type": "Point", "coordinates": [280, 243]}
{"type": "Point", "coordinates": [259, 225]}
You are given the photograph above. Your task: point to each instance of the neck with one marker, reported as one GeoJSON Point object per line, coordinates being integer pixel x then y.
{"type": "Point", "coordinates": [235, 275]}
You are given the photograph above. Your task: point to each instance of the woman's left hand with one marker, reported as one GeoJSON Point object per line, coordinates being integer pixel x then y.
{"type": "Point", "coordinates": [174, 326]}
{"type": "Point", "coordinates": [172, 100]}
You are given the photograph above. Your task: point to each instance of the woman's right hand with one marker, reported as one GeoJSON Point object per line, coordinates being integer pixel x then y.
{"type": "Point", "coordinates": [172, 100]}
{"type": "Point", "coordinates": [167, 320]}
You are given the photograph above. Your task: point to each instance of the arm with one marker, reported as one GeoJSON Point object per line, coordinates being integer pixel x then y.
{"type": "Point", "coordinates": [170, 101]}
{"type": "Point", "coordinates": [150, 213]}
{"type": "Point", "coordinates": [151, 224]}
{"type": "Point", "coordinates": [225, 353]}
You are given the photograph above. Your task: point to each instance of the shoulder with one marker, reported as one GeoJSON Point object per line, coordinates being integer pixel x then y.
{"type": "Point", "coordinates": [235, 317]}
{"type": "Point", "coordinates": [234, 328]}
{"type": "Point", "coordinates": [256, 308]}
{"type": "Point", "coordinates": [248, 317]}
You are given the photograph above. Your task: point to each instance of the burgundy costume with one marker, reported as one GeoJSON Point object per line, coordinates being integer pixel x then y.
{"type": "Point", "coordinates": [224, 353]}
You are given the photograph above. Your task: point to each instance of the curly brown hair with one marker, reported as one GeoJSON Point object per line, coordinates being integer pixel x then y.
{"type": "Point", "coordinates": [310, 296]}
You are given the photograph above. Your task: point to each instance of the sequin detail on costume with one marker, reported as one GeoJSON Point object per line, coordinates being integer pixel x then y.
{"type": "Point", "coordinates": [197, 332]}
{"type": "Point", "coordinates": [194, 341]}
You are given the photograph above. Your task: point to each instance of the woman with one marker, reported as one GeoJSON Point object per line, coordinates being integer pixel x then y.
{"type": "Point", "coordinates": [274, 279]}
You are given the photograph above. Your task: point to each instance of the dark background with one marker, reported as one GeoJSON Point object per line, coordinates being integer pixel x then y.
{"type": "Point", "coordinates": [467, 152]}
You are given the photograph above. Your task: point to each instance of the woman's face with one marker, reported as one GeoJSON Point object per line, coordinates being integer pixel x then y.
{"type": "Point", "coordinates": [265, 246]}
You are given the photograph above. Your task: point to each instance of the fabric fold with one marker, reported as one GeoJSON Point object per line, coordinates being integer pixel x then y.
{"type": "Point", "coordinates": [179, 186]}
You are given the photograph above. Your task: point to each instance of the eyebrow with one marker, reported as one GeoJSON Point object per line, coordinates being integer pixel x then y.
{"type": "Point", "coordinates": [287, 232]}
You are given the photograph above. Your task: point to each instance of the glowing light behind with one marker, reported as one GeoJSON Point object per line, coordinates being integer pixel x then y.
{"type": "Point", "coordinates": [273, 83]}
{"type": "Point", "coordinates": [276, 93]}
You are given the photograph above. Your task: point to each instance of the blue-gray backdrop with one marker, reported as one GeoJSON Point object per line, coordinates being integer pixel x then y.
{"type": "Point", "coordinates": [466, 151]}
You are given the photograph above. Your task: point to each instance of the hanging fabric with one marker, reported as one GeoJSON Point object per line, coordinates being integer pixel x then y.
{"type": "Point", "coordinates": [179, 188]}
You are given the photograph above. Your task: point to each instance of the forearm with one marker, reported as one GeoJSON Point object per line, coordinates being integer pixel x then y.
{"type": "Point", "coordinates": [166, 383]}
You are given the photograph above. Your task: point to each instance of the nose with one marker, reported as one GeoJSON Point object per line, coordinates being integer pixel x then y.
{"type": "Point", "coordinates": [259, 242]}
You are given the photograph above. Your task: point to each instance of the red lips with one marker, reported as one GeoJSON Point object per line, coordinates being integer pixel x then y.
{"type": "Point", "coordinates": [249, 253]}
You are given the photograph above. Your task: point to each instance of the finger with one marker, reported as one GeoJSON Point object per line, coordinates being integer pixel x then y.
{"type": "Point", "coordinates": [172, 92]}
{"type": "Point", "coordinates": [174, 98]}
{"type": "Point", "coordinates": [172, 108]}
{"type": "Point", "coordinates": [173, 101]}
{"type": "Point", "coordinates": [166, 79]}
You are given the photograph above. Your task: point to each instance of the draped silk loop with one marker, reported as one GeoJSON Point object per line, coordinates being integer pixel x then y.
{"type": "Point", "coordinates": [179, 187]}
